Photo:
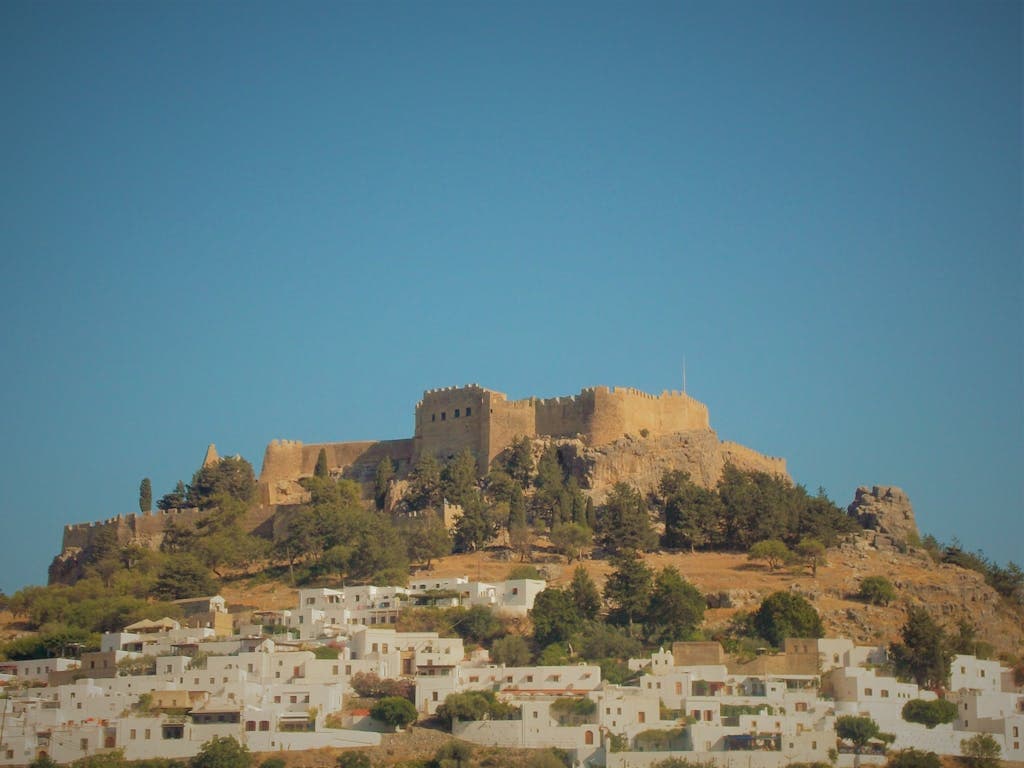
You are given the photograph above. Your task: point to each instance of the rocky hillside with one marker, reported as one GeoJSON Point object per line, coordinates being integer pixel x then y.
{"type": "Point", "coordinates": [642, 461]}
{"type": "Point", "coordinates": [949, 592]}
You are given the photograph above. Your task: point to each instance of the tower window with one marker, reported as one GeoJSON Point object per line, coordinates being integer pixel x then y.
{"type": "Point", "coordinates": [443, 414]}
{"type": "Point", "coordinates": [469, 411]}
{"type": "Point", "coordinates": [456, 413]}
{"type": "Point", "coordinates": [433, 417]}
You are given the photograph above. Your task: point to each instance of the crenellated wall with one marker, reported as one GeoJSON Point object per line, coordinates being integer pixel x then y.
{"type": "Point", "coordinates": [485, 421]}
{"type": "Point", "coordinates": [288, 460]}
{"type": "Point", "coordinates": [143, 527]}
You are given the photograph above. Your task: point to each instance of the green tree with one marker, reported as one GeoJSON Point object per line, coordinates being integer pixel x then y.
{"type": "Point", "coordinates": [479, 624]}
{"type": "Point", "coordinates": [426, 538]}
{"type": "Point", "coordinates": [772, 551]}
{"type": "Point", "coordinates": [811, 553]}
{"type": "Point", "coordinates": [784, 614]}
{"type": "Point", "coordinates": [396, 711]}
{"type": "Point", "coordinates": [675, 610]}
{"type": "Point", "coordinates": [320, 470]}
{"type": "Point", "coordinates": [570, 539]}
{"type": "Point", "coordinates": [859, 731]}
{"type": "Point", "coordinates": [628, 589]}
{"type": "Point", "coordinates": [929, 713]}
{"type": "Point", "coordinates": [691, 512]}
{"type": "Point", "coordinates": [925, 652]}
{"type": "Point", "coordinates": [424, 483]}
{"type": "Point", "coordinates": [981, 751]}
{"type": "Point", "coordinates": [554, 617]}
{"type": "Point", "coordinates": [511, 650]}
{"type": "Point", "coordinates": [519, 463]}
{"type": "Point", "coordinates": [520, 540]}
{"type": "Point", "coordinates": [382, 478]}
{"type": "Point", "coordinates": [876, 590]}
{"type": "Point", "coordinates": [222, 752]}
{"type": "Point", "coordinates": [145, 495]}
{"type": "Point", "coordinates": [623, 522]}
{"type": "Point", "coordinates": [44, 761]}
{"type": "Point", "coordinates": [459, 479]}
{"type": "Point", "coordinates": [176, 499]}
{"type": "Point", "coordinates": [181, 576]}
{"type": "Point", "coordinates": [584, 593]}
{"type": "Point", "coordinates": [232, 476]}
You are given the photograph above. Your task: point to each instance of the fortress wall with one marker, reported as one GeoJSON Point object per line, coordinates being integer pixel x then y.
{"type": "Point", "coordinates": [623, 411]}
{"type": "Point", "coordinates": [291, 459]}
{"type": "Point", "coordinates": [750, 460]}
{"type": "Point", "coordinates": [443, 427]}
{"type": "Point", "coordinates": [506, 421]}
{"type": "Point", "coordinates": [130, 527]}
{"type": "Point", "coordinates": [565, 416]}
{"type": "Point", "coordinates": [281, 461]}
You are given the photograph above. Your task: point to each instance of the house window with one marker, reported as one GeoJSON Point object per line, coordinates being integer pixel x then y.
{"type": "Point", "coordinates": [131, 734]}
{"type": "Point", "coordinates": [434, 696]}
{"type": "Point", "coordinates": [885, 694]}
{"type": "Point", "coordinates": [641, 717]}
{"type": "Point", "coordinates": [868, 692]}
{"type": "Point", "coordinates": [1016, 731]}
{"type": "Point", "coordinates": [264, 725]}
{"type": "Point", "coordinates": [84, 745]}
{"type": "Point", "coordinates": [250, 725]}
{"type": "Point", "coordinates": [277, 699]}
{"type": "Point", "coordinates": [148, 734]}
{"type": "Point", "coordinates": [293, 699]}
{"type": "Point", "coordinates": [474, 678]}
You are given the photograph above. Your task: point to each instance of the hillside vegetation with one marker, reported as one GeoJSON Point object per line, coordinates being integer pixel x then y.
{"type": "Point", "coordinates": [634, 572]}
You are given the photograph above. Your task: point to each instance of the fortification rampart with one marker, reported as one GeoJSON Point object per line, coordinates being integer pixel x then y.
{"type": "Point", "coordinates": [750, 460]}
{"type": "Point", "coordinates": [291, 459]}
{"type": "Point", "coordinates": [143, 527]}
{"type": "Point", "coordinates": [486, 421]}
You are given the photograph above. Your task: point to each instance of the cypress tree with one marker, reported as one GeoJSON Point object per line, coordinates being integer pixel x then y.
{"type": "Point", "coordinates": [321, 464]}
{"type": "Point", "coordinates": [145, 495]}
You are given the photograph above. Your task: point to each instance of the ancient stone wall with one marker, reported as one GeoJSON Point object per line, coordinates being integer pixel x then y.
{"type": "Point", "coordinates": [750, 460]}
{"type": "Point", "coordinates": [451, 419]}
{"type": "Point", "coordinates": [145, 528]}
{"type": "Point", "coordinates": [288, 460]}
{"type": "Point", "coordinates": [507, 420]}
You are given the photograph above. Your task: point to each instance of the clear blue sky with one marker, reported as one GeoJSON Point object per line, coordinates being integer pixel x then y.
{"type": "Point", "coordinates": [232, 222]}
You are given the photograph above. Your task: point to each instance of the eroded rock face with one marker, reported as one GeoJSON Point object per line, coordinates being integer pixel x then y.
{"type": "Point", "coordinates": [642, 461]}
{"type": "Point", "coordinates": [886, 509]}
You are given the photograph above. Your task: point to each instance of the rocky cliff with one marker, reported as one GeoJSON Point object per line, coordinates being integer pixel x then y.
{"type": "Point", "coordinates": [641, 461]}
{"type": "Point", "coordinates": [886, 509]}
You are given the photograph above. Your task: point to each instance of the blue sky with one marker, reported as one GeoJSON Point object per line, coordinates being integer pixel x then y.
{"type": "Point", "coordinates": [236, 222]}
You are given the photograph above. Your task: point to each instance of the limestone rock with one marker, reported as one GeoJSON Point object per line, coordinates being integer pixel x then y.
{"type": "Point", "coordinates": [642, 461]}
{"type": "Point", "coordinates": [886, 509]}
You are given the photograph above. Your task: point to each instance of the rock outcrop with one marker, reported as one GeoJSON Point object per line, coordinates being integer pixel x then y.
{"type": "Point", "coordinates": [642, 461]}
{"type": "Point", "coordinates": [886, 509]}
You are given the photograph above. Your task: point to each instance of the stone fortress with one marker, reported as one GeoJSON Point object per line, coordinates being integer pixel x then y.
{"type": "Point", "coordinates": [603, 435]}
{"type": "Point", "coordinates": [596, 421]}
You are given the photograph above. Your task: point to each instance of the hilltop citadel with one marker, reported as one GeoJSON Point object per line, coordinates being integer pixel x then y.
{"type": "Point", "coordinates": [607, 434]}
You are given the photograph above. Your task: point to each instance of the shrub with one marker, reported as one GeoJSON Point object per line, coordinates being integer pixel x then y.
{"type": "Point", "coordinates": [396, 711]}
{"type": "Point", "coordinates": [273, 762]}
{"type": "Point", "coordinates": [981, 751]}
{"type": "Point", "coordinates": [929, 713]}
{"type": "Point", "coordinates": [876, 590]}
{"type": "Point", "coordinates": [353, 760]}
{"type": "Point", "coordinates": [914, 758]}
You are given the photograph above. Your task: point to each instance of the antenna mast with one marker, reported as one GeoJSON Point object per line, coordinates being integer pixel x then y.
{"type": "Point", "coordinates": [684, 374]}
